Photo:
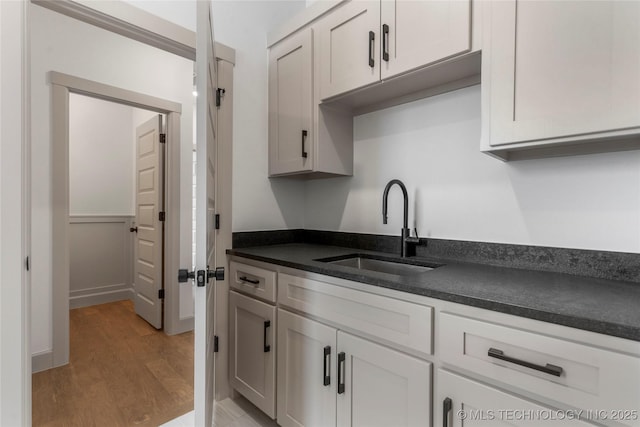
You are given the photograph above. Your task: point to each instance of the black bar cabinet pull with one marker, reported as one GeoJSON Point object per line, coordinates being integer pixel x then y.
{"type": "Point", "coordinates": [267, 347]}
{"type": "Point", "coordinates": [341, 363]}
{"type": "Point", "coordinates": [304, 138]}
{"type": "Point", "coordinates": [372, 37]}
{"type": "Point", "coordinates": [326, 377]}
{"type": "Point", "coordinates": [385, 42]}
{"type": "Point", "coordinates": [547, 369]}
{"type": "Point", "coordinates": [447, 404]}
{"type": "Point", "coordinates": [246, 279]}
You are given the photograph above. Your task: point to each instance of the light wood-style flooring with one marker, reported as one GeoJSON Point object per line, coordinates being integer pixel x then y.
{"type": "Point", "coordinates": [122, 372]}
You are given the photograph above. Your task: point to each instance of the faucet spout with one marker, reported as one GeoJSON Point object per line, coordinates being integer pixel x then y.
{"type": "Point", "coordinates": [405, 233]}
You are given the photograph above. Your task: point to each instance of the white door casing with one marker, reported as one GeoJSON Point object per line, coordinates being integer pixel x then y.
{"type": "Point", "coordinates": [15, 346]}
{"type": "Point", "coordinates": [204, 295]}
{"type": "Point", "coordinates": [148, 268]}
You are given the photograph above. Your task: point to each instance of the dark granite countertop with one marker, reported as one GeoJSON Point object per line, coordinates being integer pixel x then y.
{"type": "Point", "coordinates": [599, 305]}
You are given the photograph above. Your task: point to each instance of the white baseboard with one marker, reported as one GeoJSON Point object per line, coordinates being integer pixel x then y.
{"type": "Point", "coordinates": [41, 361]}
{"type": "Point", "coordinates": [100, 298]}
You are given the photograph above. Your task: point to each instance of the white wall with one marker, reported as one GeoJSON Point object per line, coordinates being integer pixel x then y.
{"type": "Point", "coordinates": [258, 203]}
{"type": "Point", "coordinates": [456, 192]}
{"type": "Point", "coordinates": [62, 44]}
{"type": "Point", "coordinates": [101, 157]}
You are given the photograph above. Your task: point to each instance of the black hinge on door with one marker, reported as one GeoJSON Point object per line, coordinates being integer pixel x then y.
{"type": "Point", "coordinates": [161, 216]}
{"type": "Point", "coordinates": [219, 93]}
{"type": "Point", "coordinates": [215, 344]}
{"type": "Point", "coordinates": [163, 138]}
{"type": "Point", "coordinates": [217, 221]}
{"type": "Point", "coordinates": [160, 293]}
{"type": "Point", "coordinates": [27, 264]}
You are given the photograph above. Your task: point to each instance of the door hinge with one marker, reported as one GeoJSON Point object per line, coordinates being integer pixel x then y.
{"type": "Point", "coordinates": [27, 264]}
{"type": "Point", "coordinates": [219, 93]}
{"type": "Point", "coordinates": [163, 138]}
{"type": "Point", "coordinates": [215, 344]}
{"type": "Point", "coordinates": [161, 216]}
{"type": "Point", "coordinates": [160, 293]}
{"type": "Point", "coordinates": [217, 221]}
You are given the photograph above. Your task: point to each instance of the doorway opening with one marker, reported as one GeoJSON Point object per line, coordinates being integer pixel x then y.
{"type": "Point", "coordinates": [116, 201]}
{"type": "Point", "coordinates": [99, 249]}
{"type": "Point", "coordinates": [63, 87]}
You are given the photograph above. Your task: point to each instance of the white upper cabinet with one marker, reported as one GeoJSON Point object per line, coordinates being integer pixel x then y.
{"type": "Point", "coordinates": [349, 48]}
{"type": "Point", "coordinates": [305, 138]}
{"type": "Point", "coordinates": [291, 104]}
{"type": "Point", "coordinates": [364, 42]}
{"type": "Point", "coordinates": [559, 72]}
{"type": "Point", "coordinates": [416, 33]}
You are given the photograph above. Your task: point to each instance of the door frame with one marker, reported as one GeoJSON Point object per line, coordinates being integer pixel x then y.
{"type": "Point", "coordinates": [62, 85]}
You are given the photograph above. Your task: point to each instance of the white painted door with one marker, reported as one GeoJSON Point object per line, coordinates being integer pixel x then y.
{"type": "Point", "coordinates": [253, 351]}
{"type": "Point", "coordinates": [291, 104]}
{"type": "Point", "coordinates": [149, 205]}
{"type": "Point", "coordinates": [378, 386]}
{"type": "Point", "coordinates": [562, 69]}
{"type": "Point", "coordinates": [462, 402]}
{"type": "Point", "coordinates": [306, 372]}
{"type": "Point", "coordinates": [349, 48]}
{"type": "Point", "coordinates": [204, 294]}
{"type": "Point", "coordinates": [418, 33]}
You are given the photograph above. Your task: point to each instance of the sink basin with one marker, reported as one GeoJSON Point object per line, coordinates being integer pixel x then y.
{"type": "Point", "coordinates": [380, 264]}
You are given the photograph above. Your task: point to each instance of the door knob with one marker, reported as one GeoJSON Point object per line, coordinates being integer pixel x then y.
{"type": "Point", "coordinates": [184, 276]}
{"type": "Point", "coordinates": [133, 229]}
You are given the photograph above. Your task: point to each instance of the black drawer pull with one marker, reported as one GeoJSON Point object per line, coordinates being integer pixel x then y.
{"type": "Point", "coordinates": [547, 369]}
{"type": "Point", "coordinates": [372, 37]}
{"type": "Point", "coordinates": [304, 138]}
{"type": "Point", "coordinates": [326, 375]}
{"type": "Point", "coordinates": [246, 279]}
{"type": "Point", "coordinates": [447, 405]}
{"type": "Point", "coordinates": [385, 42]}
{"type": "Point", "coordinates": [341, 363]}
{"type": "Point", "coordinates": [267, 347]}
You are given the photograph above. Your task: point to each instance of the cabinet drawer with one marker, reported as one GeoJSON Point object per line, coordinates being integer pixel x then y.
{"type": "Point", "coordinates": [579, 375]}
{"type": "Point", "coordinates": [254, 281]}
{"type": "Point", "coordinates": [392, 321]}
{"type": "Point", "coordinates": [472, 403]}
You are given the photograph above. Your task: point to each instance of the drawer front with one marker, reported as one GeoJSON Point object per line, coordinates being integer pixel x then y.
{"type": "Point", "coordinates": [462, 402]}
{"type": "Point", "coordinates": [576, 374]}
{"type": "Point", "coordinates": [253, 280]}
{"type": "Point", "coordinates": [392, 321]}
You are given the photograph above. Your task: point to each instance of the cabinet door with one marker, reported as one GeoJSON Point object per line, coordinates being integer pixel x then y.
{"type": "Point", "coordinates": [253, 363]}
{"type": "Point", "coordinates": [462, 402]}
{"type": "Point", "coordinates": [349, 48]}
{"type": "Point", "coordinates": [418, 33]}
{"type": "Point", "coordinates": [306, 377]}
{"type": "Point", "coordinates": [382, 387]}
{"type": "Point", "coordinates": [564, 70]}
{"type": "Point", "coordinates": [291, 104]}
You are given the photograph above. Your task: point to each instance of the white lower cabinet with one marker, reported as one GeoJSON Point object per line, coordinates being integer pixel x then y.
{"type": "Point", "coordinates": [252, 355]}
{"type": "Point", "coordinates": [306, 372]}
{"type": "Point", "coordinates": [462, 402]}
{"type": "Point", "coordinates": [328, 377]}
{"type": "Point", "coordinates": [378, 386]}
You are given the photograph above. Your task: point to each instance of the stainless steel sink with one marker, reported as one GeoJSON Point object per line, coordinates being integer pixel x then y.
{"type": "Point", "coordinates": [363, 262]}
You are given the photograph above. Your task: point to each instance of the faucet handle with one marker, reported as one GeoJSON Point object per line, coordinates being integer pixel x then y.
{"type": "Point", "coordinates": [414, 240]}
